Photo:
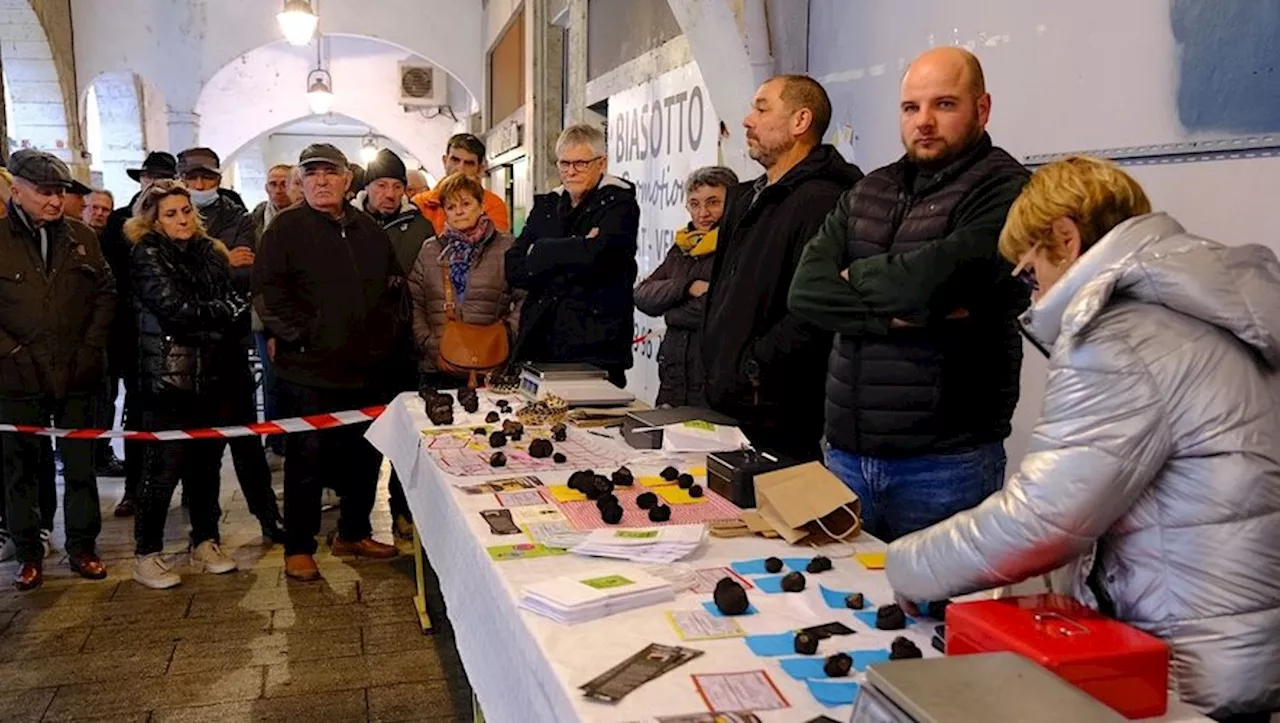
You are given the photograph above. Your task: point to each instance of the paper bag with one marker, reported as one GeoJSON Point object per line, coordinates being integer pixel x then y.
{"type": "Point", "coordinates": [807, 503]}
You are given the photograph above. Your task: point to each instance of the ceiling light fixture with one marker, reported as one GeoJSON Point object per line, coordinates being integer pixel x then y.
{"type": "Point", "coordinates": [320, 91]}
{"type": "Point", "coordinates": [368, 148]}
{"type": "Point", "coordinates": [297, 21]}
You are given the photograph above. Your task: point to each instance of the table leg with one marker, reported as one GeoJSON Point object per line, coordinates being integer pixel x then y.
{"type": "Point", "coordinates": [477, 716]}
{"type": "Point", "coordinates": [420, 600]}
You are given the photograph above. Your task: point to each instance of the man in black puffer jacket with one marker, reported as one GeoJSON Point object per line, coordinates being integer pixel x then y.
{"type": "Point", "coordinates": [576, 258]}
{"type": "Point", "coordinates": [923, 376]}
{"type": "Point", "coordinates": [764, 364]}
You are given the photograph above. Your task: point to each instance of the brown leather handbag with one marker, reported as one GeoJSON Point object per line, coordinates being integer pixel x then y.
{"type": "Point", "coordinates": [469, 350]}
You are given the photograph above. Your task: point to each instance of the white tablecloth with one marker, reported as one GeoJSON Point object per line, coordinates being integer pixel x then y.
{"type": "Point", "coordinates": [526, 668]}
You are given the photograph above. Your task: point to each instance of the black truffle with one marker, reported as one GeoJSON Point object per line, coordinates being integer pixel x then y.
{"type": "Point", "coordinates": [773, 564]}
{"type": "Point", "coordinates": [440, 416]}
{"type": "Point", "coordinates": [730, 598]}
{"type": "Point", "coordinates": [540, 448]}
{"type": "Point", "coordinates": [592, 491]}
{"type": "Point", "coordinates": [559, 458]}
{"type": "Point", "coordinates": [890, 617]}
{"type": "Point", "coordinates": [517, 436]}
{"type": "Point", "coordinates": [581, 479]}
{"type": "Point", "coordinates": [479, 430]}
{"type": "Point", "coordinates": [936, 610]}
{"type": "Point", "coordinates": [838, 665]}
{"type": "Point", "coordinates": [559, 432]}
{"type": "Point", "coordinates": [470, 405]}
{"type": "Point", "coordinates": [646, 500]}
{"type": "Point", "coordinates": [855, 601]}
{"type": "Point", "coordinates": [497, 439]}
{"type": "Point", "coordinates": [611, 515]}
{"type": "Point", "coordinates": [606, 500]}
{"type": "Point", "coordinates": [903, 649]}
{"type": "Point", "coordinates": [806, 644]}
{"type": "Point", "coordinates": [491, 417]}
{"type": "Point", "coordinates": [818, 564]}
{"type": "Point", "coordinates": [669, 474]}
{"type": "Point", "coordinates": [497, 459]}
{"type": "Point", "coordinates": [695, 491]}
{"type": "Point", "coordinates": [603, 483]}
{"type": "Point", "coordinates": [512, 427]}
{"type": "Point", "coordinates": [660, 513]}
{"type": "Point", "coordinates": [792, 582]}
{"type": "Point", "coordinates": [622, 477]}
{"type": "Point", "coordinates": [503, 404]}
{"type": "Point", "coordinates": [685, 481]}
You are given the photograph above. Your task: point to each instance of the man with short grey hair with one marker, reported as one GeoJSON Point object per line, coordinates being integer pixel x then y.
{"type": "Point", "coordinates": [576, 259]}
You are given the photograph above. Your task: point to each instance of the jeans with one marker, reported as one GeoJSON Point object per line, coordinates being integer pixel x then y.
{"type": "Point", "coordinates": [247, 453]}
{"type": "Point", "coordinates": [902, 495]}
{"type": "Point", "coordinates": [270, 395]}
{"type": "Point", "coordinates": [338, 458]}
{"type": "Point", "coordinates": [28, 475]}
{"type": "Point", "coordinates": [195, 463]}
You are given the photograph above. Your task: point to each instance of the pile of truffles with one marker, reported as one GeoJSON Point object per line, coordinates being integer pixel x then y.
{"type": "Point", "coordinates": [469, 400]}
{"type": "Point", "coordinates": [731, 599]}
{"type": "Point", "coordinates": [439, 407]}
{"type": "Point", "coordinates": [513, 429]}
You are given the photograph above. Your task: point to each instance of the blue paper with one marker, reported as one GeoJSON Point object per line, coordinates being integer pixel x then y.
{"type": "Point", "coordinates": [835, 600]}
{"type": "Point", "coordinates": [868, 617]}
{"type": "Point", "coordinates": [796, 563]}
{"type": "Point", "coordinates": [767, 646]}
{"type": "Point", "coordinates": [749, 567]}
{"type": "Point", "coordinates": [810, 668]}
{"type": "Point", "coordinates": [770, 585]}
{"type": "Point", "coordinates": [833, 693]}
{"type": "Point", "coordinates": [710, 607]}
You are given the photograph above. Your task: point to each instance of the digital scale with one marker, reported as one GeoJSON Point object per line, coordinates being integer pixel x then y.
{"type": "Point", "coordinates": [987, 687]}
{"type": "Point", "coordinates": [580, 385]}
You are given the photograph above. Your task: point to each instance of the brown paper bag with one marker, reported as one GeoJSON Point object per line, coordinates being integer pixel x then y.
{"type": "Point", "coordinates": [807, 503]}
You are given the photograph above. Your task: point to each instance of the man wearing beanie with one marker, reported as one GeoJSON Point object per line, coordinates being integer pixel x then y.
{"type": "Point", "coordinates": [384, 198]}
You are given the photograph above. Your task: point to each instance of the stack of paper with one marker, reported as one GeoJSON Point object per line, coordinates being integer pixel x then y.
{"type": "Point", "coordinates": [579, 599]}
{"type": "Point", "coordinates": [700, 436]}
{"type": "Point", "coordinates": [644, 544]}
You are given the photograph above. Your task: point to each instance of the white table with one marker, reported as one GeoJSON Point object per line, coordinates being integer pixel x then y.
{"type": "Point", "coordinates": [526, 668]}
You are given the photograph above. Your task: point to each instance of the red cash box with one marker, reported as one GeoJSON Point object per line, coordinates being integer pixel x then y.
{"type": "Point", "coordinates": [1115, 663]}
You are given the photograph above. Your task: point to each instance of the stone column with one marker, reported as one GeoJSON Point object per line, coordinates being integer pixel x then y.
{"type": "Point", "coordinates": [544, 104]}
{"type": "Point", "coordinates": [576, 93]}
{"type": "Point", "coordinates": [184, 130]}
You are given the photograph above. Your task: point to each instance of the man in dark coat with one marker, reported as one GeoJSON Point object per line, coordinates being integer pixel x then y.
{"type": "Point", "coordinates": [576, 259]}
{"type": "Point", "coordinates": [56, 304]}
{"type": "Point", "coordinates": [325, 287]}
{"type": "Point", "coordinates": [765, 365]}
{"type": "Point", "coordinates": [122, 349]}
{"type": "Point", "coordinates": [229, 222]}
{"type": "Point", "coordinates": [923, 376]}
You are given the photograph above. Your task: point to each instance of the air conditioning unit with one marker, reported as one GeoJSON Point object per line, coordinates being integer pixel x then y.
{"type": "Point", "coordinates": [423, 85]}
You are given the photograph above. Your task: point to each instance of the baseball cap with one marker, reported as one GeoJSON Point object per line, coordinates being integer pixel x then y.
{"type": "Point", "coordinates": [158, 164]}
{"type": "Point", "coordinates": [199, 159]}
{"type": "Point", "coordinates": [40, 168]}
{"type": "Point", "coordinates": [323, 153]}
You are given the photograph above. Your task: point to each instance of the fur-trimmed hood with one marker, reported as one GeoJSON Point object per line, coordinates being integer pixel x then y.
{"type": "Point", "coordinates": [136, 229]}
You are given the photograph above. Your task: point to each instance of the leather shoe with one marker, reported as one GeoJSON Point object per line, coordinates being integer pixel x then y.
{"type": "Point", "coordinates": [89, 566]}
{"type": "Point", "coordinates": [126, 508]}
{"type": "Point", "coordinates": [109, 467]}
{"type": "Point", "coordinates": [29, 577]}
{"type": "Point", "coordinates": [301, 567]}
{"type": "Point", "coordinates": [368, 547]}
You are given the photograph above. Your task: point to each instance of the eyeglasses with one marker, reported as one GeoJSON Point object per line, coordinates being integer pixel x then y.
{"type": "Point", "coordinates": [578, 166]}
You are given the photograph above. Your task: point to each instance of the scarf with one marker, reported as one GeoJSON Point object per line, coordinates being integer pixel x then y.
{"type": "Point", "coordinates": [697, 243]}
{"type": "Point", "coordinates": [461, 249]}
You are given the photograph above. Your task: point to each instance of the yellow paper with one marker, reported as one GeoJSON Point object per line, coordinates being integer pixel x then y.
{"type": "Point", "coordinates": [871, 560]}
{"type": "Point", "coordinates": [655, 481]}
{"type": "Point", "coordinates": [676, 496]}
{"type": "Point", "coordinates": [564, 494]}
{"type": "Point", "coordinates": [698, 471]}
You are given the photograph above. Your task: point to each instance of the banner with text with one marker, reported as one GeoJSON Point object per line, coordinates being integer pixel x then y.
{"type": "Point", "coordinates": [659, 131]}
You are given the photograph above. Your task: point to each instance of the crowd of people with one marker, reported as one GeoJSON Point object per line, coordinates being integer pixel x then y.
{"type": "Point", "coordinates": [872, 322]}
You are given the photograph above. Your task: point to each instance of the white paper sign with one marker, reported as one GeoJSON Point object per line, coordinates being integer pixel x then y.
{"type": "Point", "coordinates": [659, 131]}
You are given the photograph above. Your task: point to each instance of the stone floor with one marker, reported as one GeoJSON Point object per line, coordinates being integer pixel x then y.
{"type": "Point", "coordinates": [248, 646]}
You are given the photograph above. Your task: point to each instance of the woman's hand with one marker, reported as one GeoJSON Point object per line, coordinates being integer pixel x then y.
{"type": "Point", "coordinates": [240, 256]}
{"type": "Point", "coordinates": [698, 288]}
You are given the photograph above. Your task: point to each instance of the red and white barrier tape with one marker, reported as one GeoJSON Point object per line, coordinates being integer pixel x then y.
{"type": "Point", "coordinates": [310, 423]}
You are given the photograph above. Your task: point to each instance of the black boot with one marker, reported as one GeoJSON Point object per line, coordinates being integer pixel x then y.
{"type": "Point", "coordinates": [105, 462]}
{"type": "Point", "coordinates": [273, 528]}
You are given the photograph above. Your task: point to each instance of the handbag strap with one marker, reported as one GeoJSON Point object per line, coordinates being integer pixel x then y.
{"type": "Point", "coordinates": [450, 304]}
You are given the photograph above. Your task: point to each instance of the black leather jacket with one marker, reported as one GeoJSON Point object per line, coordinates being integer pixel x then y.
{"type": "Point", "coordinates": [189, 315]}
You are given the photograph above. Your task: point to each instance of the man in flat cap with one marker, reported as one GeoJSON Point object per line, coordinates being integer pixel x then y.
{"type": "Point", "coordinates": [57, 299]}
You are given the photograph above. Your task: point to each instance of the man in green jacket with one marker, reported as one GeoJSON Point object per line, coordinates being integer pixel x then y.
{"type": "Point", "coordinates": [923, 377]}
{"type": "Point", "coordinates": [57, 298]}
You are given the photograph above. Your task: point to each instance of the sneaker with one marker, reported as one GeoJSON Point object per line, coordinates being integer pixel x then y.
{"type": "Point", "coordinates": [8, 548]}
{"type": "Point", "coordinates": [46, 539]}
{"type": "Point", "coordinates": [209, 557]}
{"type": "Point", "coordinates": [153, 572]}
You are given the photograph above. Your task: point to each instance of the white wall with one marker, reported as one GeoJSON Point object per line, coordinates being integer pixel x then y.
{"type": "Point", "coordinates": [264, 91]}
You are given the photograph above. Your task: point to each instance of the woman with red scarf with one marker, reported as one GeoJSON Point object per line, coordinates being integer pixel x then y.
{"type": "Point", "coordinates": [468, 256]}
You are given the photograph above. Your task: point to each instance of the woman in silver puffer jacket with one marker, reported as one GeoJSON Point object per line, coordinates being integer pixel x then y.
{"type": "Point", "coordinates": [1155, 464]}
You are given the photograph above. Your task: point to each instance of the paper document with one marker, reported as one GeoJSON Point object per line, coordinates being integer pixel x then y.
{"type": "Point", "coordinates": [699, 625]}
{"type": "Point", "coordinates": [699, 436]}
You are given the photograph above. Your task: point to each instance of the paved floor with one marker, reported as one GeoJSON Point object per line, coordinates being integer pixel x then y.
{"type": "Point", "coordinates": [248, 646]}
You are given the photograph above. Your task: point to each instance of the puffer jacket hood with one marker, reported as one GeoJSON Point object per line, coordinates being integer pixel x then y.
{"type": "Point", "coordinates": [1152, 473]}
{"type": "Point", "coordinates": [1153, 259]}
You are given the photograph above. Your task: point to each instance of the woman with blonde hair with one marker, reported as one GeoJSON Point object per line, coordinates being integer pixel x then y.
{"type": "Point", "coordinates": [190, 322]}
{"type": "Point", "coordinates": [460, 277]}
{"type": "Point", "coordinates": [1153, 470]}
